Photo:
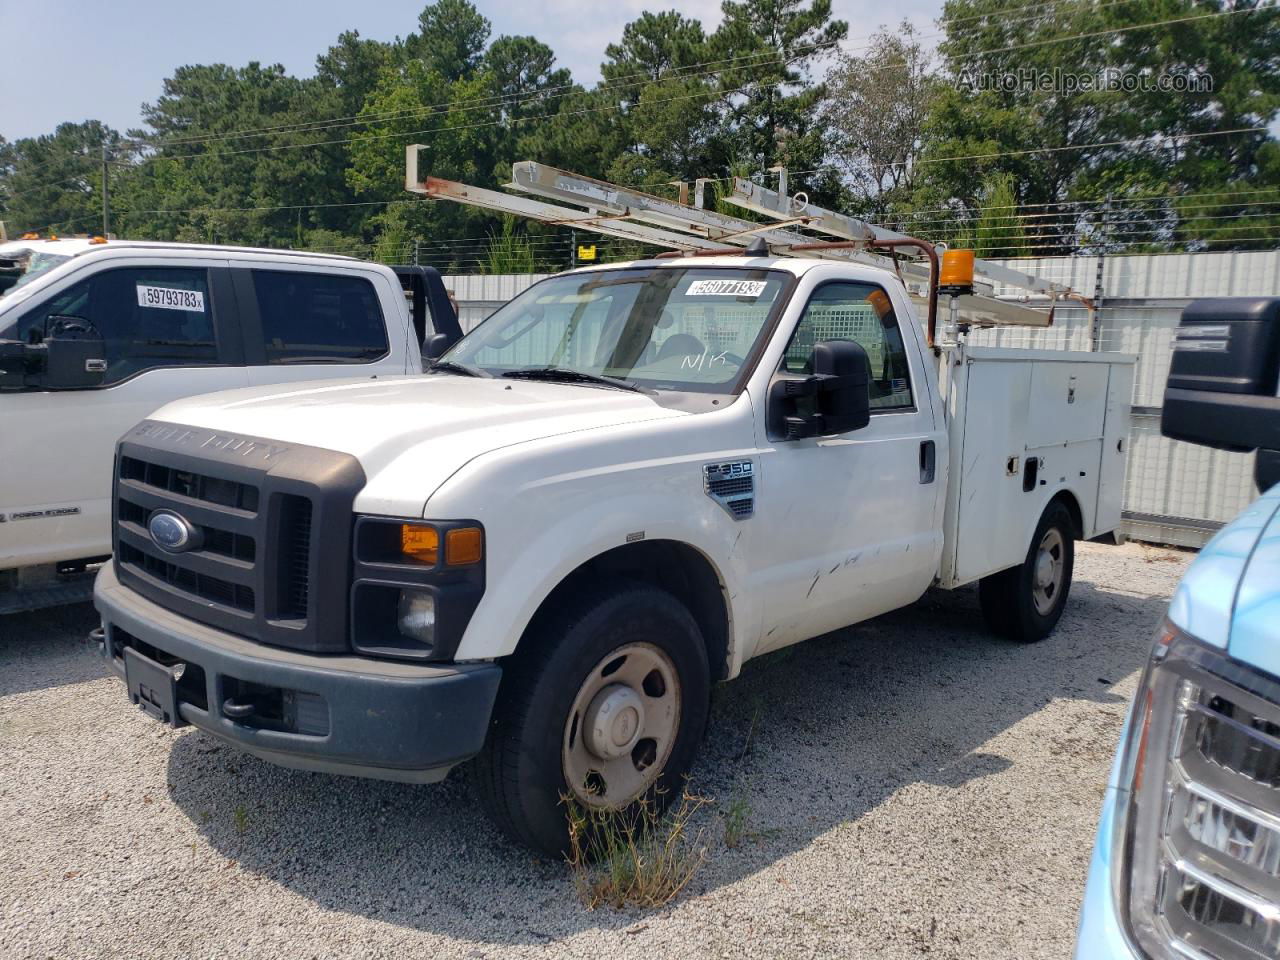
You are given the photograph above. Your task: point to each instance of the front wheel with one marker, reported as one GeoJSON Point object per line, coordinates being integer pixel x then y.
{"type": "Point", "coordinates": [604, 705]}
{"type": "Point", "coordinates": [1024, 602]}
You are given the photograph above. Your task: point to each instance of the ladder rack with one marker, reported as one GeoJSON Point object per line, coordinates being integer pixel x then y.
{"type": "Point", "coordinates": [798, 228]}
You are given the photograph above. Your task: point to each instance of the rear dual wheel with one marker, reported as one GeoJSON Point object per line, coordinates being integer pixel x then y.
{"type": "Point", "coordinates": [604, 705]}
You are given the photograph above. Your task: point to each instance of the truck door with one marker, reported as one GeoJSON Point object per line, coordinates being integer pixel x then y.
{"type": "Point", "coordinates": [169, 332]}
{"type": "Point", "coordinates": [851, 525]}
{"type": "Point", "coordinates": [307, 323]}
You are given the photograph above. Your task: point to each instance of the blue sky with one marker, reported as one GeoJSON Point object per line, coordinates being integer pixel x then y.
{"type": "Point", "coordinates": [65, 60]}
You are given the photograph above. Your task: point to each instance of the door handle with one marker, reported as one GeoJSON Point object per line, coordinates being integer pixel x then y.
{"type": "Point", "coordinates": [928, 461]}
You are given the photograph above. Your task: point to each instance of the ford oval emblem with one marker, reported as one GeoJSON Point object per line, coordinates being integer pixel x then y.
{"type": "Point", "coordinates": [172, 532]}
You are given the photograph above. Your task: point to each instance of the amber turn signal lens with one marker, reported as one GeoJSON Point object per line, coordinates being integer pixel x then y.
{"type": "Point", "coordinates": [421, 544]}
{"type": "Point", "coordinates": [463, 546]}
{"type": "Point", "coordinates": [957, 269]}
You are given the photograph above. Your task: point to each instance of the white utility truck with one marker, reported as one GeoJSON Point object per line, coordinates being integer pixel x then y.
{"type": "Point", "coordinates": [95, 334]}
{"type": "Point", "coordinates": [623, 485]}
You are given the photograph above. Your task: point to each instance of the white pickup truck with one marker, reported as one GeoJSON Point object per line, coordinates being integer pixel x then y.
{"type": "Point", "coordinates": [95, 334]}
{"type": "Point", "coordinates": [609, 496]}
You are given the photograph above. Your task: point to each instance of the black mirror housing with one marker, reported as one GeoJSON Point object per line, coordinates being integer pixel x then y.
{"type": "Point", "coordinates": [1223, 389]}
{"type": "Point", "coordinates": [435, 346]}
{"type": "Point", "coordinates": [834, 399]}
{"type": "Point", "coordinates": [75, 355]}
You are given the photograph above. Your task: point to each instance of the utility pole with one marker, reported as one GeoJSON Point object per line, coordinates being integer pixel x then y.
{"type": "Point", "coordinates": [106, 200]}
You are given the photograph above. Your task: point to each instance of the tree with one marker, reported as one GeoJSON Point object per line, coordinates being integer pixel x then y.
{"type": "Point", "coordinates": [875, 111]}
{"type": "Point", "coordinates": [349, 70]}
{"type": "Point", "coordinates": [54, 182]}
{"type": "Point", "coordinates": [666, 100]}
{"type": "Point", "coordinates": [770, 49]}
{"type": "Point", "coordinates": [525, 88]}
{"type": "Point", "coordinates": [999, 232]}
{"type": "Point", "coordinates": [1096, 159]}
{"type": "Point", "coordinates": [451, 38]}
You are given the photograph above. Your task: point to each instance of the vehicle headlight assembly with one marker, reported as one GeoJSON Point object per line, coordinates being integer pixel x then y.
{"type": "Point", "coordinates": [1198, 875]}
{"type": "Point", "coordinates": [416, 616]}
{"type": "Point", "coordinates": [415, 586]}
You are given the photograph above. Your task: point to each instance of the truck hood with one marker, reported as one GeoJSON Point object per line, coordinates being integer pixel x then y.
{"type": "Point", "coordinates": [412, 433]}
{"type": "Point", "coordinates": [1230, 595]}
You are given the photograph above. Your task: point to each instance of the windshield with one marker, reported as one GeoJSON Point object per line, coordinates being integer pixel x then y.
{"type": "Point", "coordinates": [691, 329]}
{"type": "Point", "coordinates": [22, 266]}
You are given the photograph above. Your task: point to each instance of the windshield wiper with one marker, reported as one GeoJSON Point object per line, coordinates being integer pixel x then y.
{"type": "Point", "coordinates": [564, 375]}
{"type": "Point", "coordinates": [452, 366]}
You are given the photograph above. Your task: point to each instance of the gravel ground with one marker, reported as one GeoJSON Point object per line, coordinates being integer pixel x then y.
{"type": "Point", "coordinates": [914, 788]}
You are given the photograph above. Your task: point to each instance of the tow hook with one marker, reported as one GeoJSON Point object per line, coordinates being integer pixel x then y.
{"type": "Point", "coordinates": [238, 711]}
{"type": "Point", "coordinates": [97, 637]}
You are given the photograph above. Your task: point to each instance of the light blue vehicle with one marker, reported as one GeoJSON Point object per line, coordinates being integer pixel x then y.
{"type": "Point", "coordinates": [1187, 859]}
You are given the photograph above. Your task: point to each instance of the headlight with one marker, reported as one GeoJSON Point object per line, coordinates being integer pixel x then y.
{"type": "Point", "coordinates": [416, 616]}
{"type": "Point", "coordinates": [415, 587]}
{"type": "Point", "coordinates": [1200, 872]}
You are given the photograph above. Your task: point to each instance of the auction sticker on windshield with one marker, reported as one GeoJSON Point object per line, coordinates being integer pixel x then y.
{"type": "Point", "coordinates": [170, 298]}
{"type": "Point", "coordinates": [726, 288]}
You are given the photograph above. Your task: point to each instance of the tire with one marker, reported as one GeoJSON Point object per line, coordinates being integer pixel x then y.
{"type": "Point", "coordinates": [1018, 603]}
{"type": "Point", "coordinates": [520, 775]}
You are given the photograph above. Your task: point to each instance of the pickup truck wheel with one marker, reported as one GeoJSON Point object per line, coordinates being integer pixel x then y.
{"type": "Point", "coordinates": [605, 704]}
{"type": "Point", "coordinates": [1025, 602]}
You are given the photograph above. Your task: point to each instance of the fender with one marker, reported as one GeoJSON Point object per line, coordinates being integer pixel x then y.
{"type": "Point", "coordinates": [639, 482]}
{"type": "Point", "coordinates": [1050, 493]}
{"type": "Point", "coordinates": [530, 571]}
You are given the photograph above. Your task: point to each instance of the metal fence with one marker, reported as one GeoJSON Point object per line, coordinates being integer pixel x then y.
{"type": "Point", "coordinates": [1175, 492]}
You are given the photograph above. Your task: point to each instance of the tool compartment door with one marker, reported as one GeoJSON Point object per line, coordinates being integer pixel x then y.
{"type": "Point", "coordinates": [1026, 425]}
{"type": "Point", "coordinates": [1115, 449]}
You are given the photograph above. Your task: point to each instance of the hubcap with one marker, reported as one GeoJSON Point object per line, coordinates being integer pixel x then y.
{"type": "Point", "coordinates": [622, 726]}
{"type": "Point", "coordinates": [614, 721]}
{"type": "Point", "coordinates": [1048, 572]}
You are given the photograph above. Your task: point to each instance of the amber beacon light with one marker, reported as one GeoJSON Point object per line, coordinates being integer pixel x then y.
{"type": "Point", "coordinates": [955, 275]}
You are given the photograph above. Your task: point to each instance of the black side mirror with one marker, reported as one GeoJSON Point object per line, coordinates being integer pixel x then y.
{"type": "Point", "coordinates": [75, 354]}
{"type": "Point", "coordinates": [834, 399]}
{"type": "Point", "coordinates": [434, 346]}
{"type": "Point", "coordinates": [1222, 390]}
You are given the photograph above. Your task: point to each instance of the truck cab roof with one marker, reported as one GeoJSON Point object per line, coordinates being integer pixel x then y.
{"type": "Point", "coordinates": [75, 246]}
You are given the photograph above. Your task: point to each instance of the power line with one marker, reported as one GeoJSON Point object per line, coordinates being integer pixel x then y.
{"type": "Point", "coordinates": [292, 206]}
{"type": "Point", "coordinates": [1032, 150]}
{"type": "Point", "coordinates": [685, 71]}
{"type": "Point", "coordinates": [1104, 217]}
{"type": "Point", "coordinates": [514, 120]}
{"type": "Point", "coordinates": [1108, 32]}
{"type": "Point", "coordinates": [1116, 200]}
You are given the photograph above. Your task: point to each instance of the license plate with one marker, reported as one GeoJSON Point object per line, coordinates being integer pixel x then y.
{"type": "Point", "coordinates": [153, 687]}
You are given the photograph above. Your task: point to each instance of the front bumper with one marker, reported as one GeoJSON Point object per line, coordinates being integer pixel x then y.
{"type": "Point", "coordinates": [351, 715]}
